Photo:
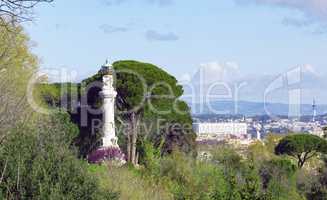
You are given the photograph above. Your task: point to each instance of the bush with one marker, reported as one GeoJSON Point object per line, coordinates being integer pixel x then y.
{"type": "Point", "coordinates": [313, 184]}
{"type": "Point", "coordinates": [227, 157]}
{"type": "Point", "coordinates": [278, 179]}
{"type": "Point", "coordinates": [37, 163]}
{"type": "Point", "coordinates": [278, 168]}
{"type": "Point", "coordinates": [129, 183]}
{"type": "Point", "coordinates": [187, 178]}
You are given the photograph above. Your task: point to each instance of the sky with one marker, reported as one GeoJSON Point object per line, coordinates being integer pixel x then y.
{"type": "Point", "coordinates": [256, 37]}
{"type": "Point", "coordinates": [261, 36]}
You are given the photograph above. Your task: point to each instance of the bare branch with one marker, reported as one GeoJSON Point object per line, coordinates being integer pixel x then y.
{"type": "Point", "coordinates": [19, 10]}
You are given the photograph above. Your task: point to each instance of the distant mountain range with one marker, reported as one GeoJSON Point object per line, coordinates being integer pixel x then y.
{"type": "Point", "coordinates": [248, 108]}
{"type": "Point", "coordinates": [223, 84]}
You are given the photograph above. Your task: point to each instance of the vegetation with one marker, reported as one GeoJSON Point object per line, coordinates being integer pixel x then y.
{"type": "Point", "coordinates": [130, 183]}
{"type": "Point", "coordinates": [226, 176]}
{"type": "Point", "coordinates": [42, 156]}
{"type": "Point", "coordinates": [17, 64]}
{"type": "Point", "coordinates": [38, 164]}
{"type": "Point", "coordinates": [37, 159]}
{"type": "Point", "coordinates": [148, 108]}
{"type": "Point", "coordinates": [302, 147]}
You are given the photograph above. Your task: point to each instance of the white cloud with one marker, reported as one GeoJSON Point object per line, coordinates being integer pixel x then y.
{"type": "Point", "coordinates": [214, 71]}
{"type": "Point", "coordinates": [185, 78]}
{"type": "Point", "coordinates": [307, 68]}
{"type": "Point", "coordinates": [226, 77]}
{"type": "Point", "coordinates": [314, 11]}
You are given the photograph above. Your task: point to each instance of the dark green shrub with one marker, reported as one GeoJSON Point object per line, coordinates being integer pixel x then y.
{"type": "Point", "coordinates": [278, 179]}
{"type": "Point", "coordinates": [283, 169]}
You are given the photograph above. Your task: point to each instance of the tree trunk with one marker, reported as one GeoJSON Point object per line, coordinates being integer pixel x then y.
{"type": "Point", "coordinates": [129, 144]}
{"type": "Point", "coordinates": [301, 161]}
{"type": "Point", "coordinates": [132, 135]}
{"type": "Point", "coordinates": [134, 139]}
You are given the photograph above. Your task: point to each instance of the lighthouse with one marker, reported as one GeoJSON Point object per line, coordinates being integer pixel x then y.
{"type": "Point", "coordinates": [108, 94]}
{"type": "Point", "coordinates": [109, 151]}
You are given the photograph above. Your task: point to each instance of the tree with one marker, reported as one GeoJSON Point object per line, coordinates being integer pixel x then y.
{"type": "Point", "coordinates": [17, 10]}
{"type": "Point", "coordinates": [147, 92]}
{"type": "Point", "coordinates": [302, 147]}
{"type": "Point", "coordinates": [271, 141]}
{"type": "Point", "coordinates": [17, 64]}
{"type": "Point", "coordinates": [148, 103]}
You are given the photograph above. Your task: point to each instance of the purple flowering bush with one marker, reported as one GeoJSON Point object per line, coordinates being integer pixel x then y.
{"type": "Point", "coordinates": [106, 154]}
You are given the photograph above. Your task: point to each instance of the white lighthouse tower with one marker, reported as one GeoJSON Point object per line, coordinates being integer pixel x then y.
{"type": "Point", "coordinates": [108, 94]}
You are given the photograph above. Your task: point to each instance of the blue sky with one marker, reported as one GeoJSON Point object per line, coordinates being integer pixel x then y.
{"type": "Point", "coordinates": [266, 37]}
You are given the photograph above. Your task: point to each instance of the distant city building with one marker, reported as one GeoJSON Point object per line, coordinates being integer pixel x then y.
{"type": "Point", "coordinates": [220, 131]}
{"type": "Point", "coordinates": [318, 131]}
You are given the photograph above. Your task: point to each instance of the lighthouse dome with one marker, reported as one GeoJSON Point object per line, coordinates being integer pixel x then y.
{"type": "Point", "coordinates": [107, 68]}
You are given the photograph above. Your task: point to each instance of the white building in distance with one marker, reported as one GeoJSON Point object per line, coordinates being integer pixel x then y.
{"type": "Point", "coordinates": [220, 131]}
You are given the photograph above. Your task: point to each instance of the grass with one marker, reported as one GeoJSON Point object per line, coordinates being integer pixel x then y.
{"type": "Point", "coordinates": [129, 183]}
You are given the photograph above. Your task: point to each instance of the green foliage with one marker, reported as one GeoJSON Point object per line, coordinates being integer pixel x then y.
{"type": "Point", "coordinates": [50, 94]}
{"type": "Point", "coordinates": [190, 179]}
{"type": "Point", "coordinates": [251, 188]}
{"type": "Point", "coordinates": [302, 147]}
{"type": "Point", "coordinates": [277, 168]}
{"type": "Point", "coordinates": [17, 64]}
{"type": "Point", "coordinates": [276, 191]}
{"type": "Point", "coordinates": [147, 95]}
{"type": "Point", "coordinates": [278, 178]}
{"type": "Point", "coordinates": [312, 183]}
{"type": "Point", "coordinates": [156, 94]}
{"type": "Point", "coordinates": [179, 176]}
{"type": "Point", "coordinates": [129, 183]}
{"type": "Point", "coordinates": [271, 141]}
{"type": "Point", "coordinates": [38, 160]}
{"type": "Point", "coordinates": [36, 155]}
{"type": "Point", "coordinates": [301, 143]}
{"type": "Point", "coordinates": [58, 95]}
{"type": "Point", "coordinates": [151, 158]}
{"type": "Point", "coordinates": [15, 50]}
{"type": "Point", "coordinates": [130, 87]}
{"type": "Point", "coordinates": [38, 164]}
{"type": "Point", "coordinates": [226, 176]}
{"type": "Point", "coordinates": [227, 157]}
